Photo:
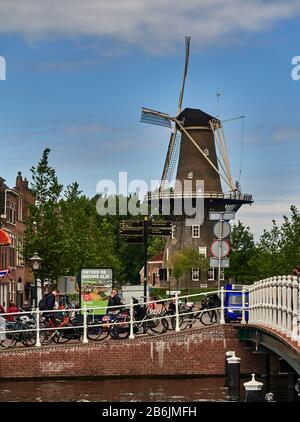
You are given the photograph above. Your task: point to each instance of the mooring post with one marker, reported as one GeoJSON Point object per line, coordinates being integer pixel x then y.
{"type": "Point", "coordinates": [253, 390]}
{"type": "Point", "coordinates": [234, 377]}
{"type": "Point", "coordinates": [227, 355]}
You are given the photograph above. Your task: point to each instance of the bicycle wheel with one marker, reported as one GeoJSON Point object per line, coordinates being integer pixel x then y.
{"type": "Point", "coordinates": [29, 338]}
{"type": "Point", "coordinates": [119, 333]}
{"type": "Point", "coordinates": [8, 342]}
{"type": "Point", "coordinates": [158, 326]}
{"type": "Point", "coordinates": [46, 336]}
{"type": "Point", "coordinates": [62, 336]}
{"type": "Point", "coordinates": [184, 322]}
{"type": "Point", "coordinates": [208, 317]}
{"type": "Point", "coordinates": [96, 333]}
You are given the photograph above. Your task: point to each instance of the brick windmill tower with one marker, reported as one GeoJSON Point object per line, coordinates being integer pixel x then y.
{"type": "Point", "coordinates": [197, 152]}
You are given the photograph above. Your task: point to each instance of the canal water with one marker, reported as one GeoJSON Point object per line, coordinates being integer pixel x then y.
{"type": "Point", "coordinates": [208, 389]}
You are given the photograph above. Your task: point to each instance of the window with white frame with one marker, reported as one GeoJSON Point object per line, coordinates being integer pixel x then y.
{"type": "Point", "coordinates": [12, 251]}
{"type": "Point", "coordinates": [11, 212]}
{"type": "Point", "coordinates": [20, 208]}
{"type": "Point", "coordinates": [222, 276]}
{"type": "Point", "coordinates": [195, 274]}
{"type": "Point", "coordinates": [196, 231]}
{"type": "Point", "coordinates": [173, 231]}
{"type": "Point", "coordinates": [20, 258]}
{"type": "Point", "coordinates": [211, 274]}
{"type": "Point", "coordinates": [203, 251]}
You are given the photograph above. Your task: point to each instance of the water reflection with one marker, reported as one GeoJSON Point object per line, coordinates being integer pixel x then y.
{"type": "Point", "coordinates": [124, 390]}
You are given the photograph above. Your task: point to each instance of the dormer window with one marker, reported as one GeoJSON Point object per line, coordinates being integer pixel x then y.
{"type": "Point", "coordinates": [190, 175]}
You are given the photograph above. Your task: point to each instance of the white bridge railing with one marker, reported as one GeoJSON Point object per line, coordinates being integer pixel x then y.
{"type": "Point", "coordinates": [272, 303]}
{"type": "Point", "coordinates": [275, 303]}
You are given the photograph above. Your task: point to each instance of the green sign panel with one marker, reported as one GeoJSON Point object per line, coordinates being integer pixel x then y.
{"type": "Point", "coordinates": [96, 285]}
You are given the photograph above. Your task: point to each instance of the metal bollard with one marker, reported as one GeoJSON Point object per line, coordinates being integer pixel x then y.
{"type": "Point", "coordinates": [253, 390]}
{"type": "Point", "coordinates": [38, 341]}
{"type": "Point", "coordinates": [131, 335]}
{"type": "Point", "coordinates": [234, 377]}
{"type": "Point", "coordinates": [177, 328]}
{"type": "Point", "coordinates": [84, 338]}
{"type": "Point", "coordinates": [227, 355]}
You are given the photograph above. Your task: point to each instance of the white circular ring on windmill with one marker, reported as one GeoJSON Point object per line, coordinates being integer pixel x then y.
{"type": "Point", "coordinates": [222, 229]}
{"type": "Point", "coordinates": [220, 248]}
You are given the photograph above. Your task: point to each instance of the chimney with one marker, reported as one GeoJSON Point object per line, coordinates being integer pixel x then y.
{"type": "Point", "coordinates": [25, 183]}
{"type": "Point", "coordinates": [19, 180]}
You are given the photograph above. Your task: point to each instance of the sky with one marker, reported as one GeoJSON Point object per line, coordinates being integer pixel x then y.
{"type": "Point", "coordinates": [78, 73]}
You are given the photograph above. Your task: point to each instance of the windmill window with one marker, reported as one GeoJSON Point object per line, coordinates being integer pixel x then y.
{"type": "Point", "coordinates": [206, 151]}
{"type": "Point", "coordinates": [195, 274]}
{"type": "Point", "coordinates": [190, 175]}
{"type": "Point", "coordinates": [211, 274]}
{"type": "Point", "coordinates": [203, 251]}
{"type": "Point", "coordinates": [173, 231]}
{"type": "Point", "coordinates": [196, 231]}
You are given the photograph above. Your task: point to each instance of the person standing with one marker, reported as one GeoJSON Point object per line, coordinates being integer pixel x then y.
{"type": "Point", "coordinates": [113, 300]}
{"type": "Point", "coordinates": [12, 309]}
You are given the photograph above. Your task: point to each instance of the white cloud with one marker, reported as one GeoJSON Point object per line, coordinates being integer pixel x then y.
{"type": "Point", "coordinates": [260, 215]}
{"type": "Point", "coordinates": [155, 25]}
{"type": "Point", "coordinates": [285, 134]}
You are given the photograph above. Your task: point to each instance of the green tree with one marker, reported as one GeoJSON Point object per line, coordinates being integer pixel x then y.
{"type": "Point", "coordinates": [241, 252]}
{"type": "Point", "coordinates": [43, 233]}
{"type": "Point", "coordinates": [184, 261]}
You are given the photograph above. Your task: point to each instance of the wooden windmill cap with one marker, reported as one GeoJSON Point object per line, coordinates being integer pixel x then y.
{"type": "Point", "coordinates": [193, 117]}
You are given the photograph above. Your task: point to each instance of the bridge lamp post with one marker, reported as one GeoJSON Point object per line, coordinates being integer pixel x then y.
{"type": "Point", "coordinates": [36, 265]}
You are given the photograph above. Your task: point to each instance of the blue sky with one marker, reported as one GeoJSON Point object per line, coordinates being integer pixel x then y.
{"type": "Point", "coordinates": [78, 73]}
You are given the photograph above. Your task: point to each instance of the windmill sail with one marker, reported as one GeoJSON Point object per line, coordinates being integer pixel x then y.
{"type": "Point", "coordinates": [174, 144]}
{"type": "Point", "coordinates": [173, 155]}
{"type": "Point", "coordinates": [154, 117]}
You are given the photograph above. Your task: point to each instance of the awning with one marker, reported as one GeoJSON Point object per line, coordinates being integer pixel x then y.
{"type": "Point", "coordinates": [4, 238]}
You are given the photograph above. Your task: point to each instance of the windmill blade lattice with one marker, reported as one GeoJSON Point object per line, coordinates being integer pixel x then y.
{"type": "Point", "coordinates": [173, 156]}
{"type": "Point", "coordinates": [154, 117]}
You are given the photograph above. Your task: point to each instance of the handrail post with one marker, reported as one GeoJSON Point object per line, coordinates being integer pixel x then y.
{"type": "Point", "coordinates": [298, 323]}
{"type": "Point", "coordinates": [85, 339]}
{"type": "Point", "coordinates": [243, 305]}
{"type": "Point", "coordinates": [251, 304]}
{"type": "Point", "coordinates": [254, 304]}
{"type": "Point", "coordinates": [275, 299]}
{"type": "Point", "coordinates": [222, 319]}
{"type": "Point", "coordinates": [177, 328]}
{"type": "Point", "coordinates": [131, 335]}
{"type": "Point", "coordinates": [38, 341]}
{"type": "Point", "coordinates": [295, 310]}
{"type": "Point", "coordinates": [289, 307]}
{"type": "Point", "coordinates": [279, 303]}
{"type": "Point", "coordinates": [283, 304]}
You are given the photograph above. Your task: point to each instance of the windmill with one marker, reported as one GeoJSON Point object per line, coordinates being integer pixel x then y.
{"type": "Point", "coordinates": [197, 151]}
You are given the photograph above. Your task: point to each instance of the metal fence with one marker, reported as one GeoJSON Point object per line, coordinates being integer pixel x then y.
{"type": "Point", "coordinates": [273, 303]}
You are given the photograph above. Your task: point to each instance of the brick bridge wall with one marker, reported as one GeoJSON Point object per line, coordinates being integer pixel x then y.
{"type": "Point", "coordinates": [194, 352]}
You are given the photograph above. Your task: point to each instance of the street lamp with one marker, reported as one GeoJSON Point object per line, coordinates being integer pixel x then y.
{"type": "Point", "coordinates": [36, 265]}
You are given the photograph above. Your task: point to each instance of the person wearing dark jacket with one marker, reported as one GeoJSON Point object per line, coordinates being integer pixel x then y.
{"type": "Point", "coordinates": [113, 300]}
{"type": "Point", "coordinates": [50, 302]}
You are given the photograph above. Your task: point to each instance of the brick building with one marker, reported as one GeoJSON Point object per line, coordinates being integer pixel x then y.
{"type": "Point", "coordinates": [154, 265]}
{"type": "Point", "coordinates": [14, 208]}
